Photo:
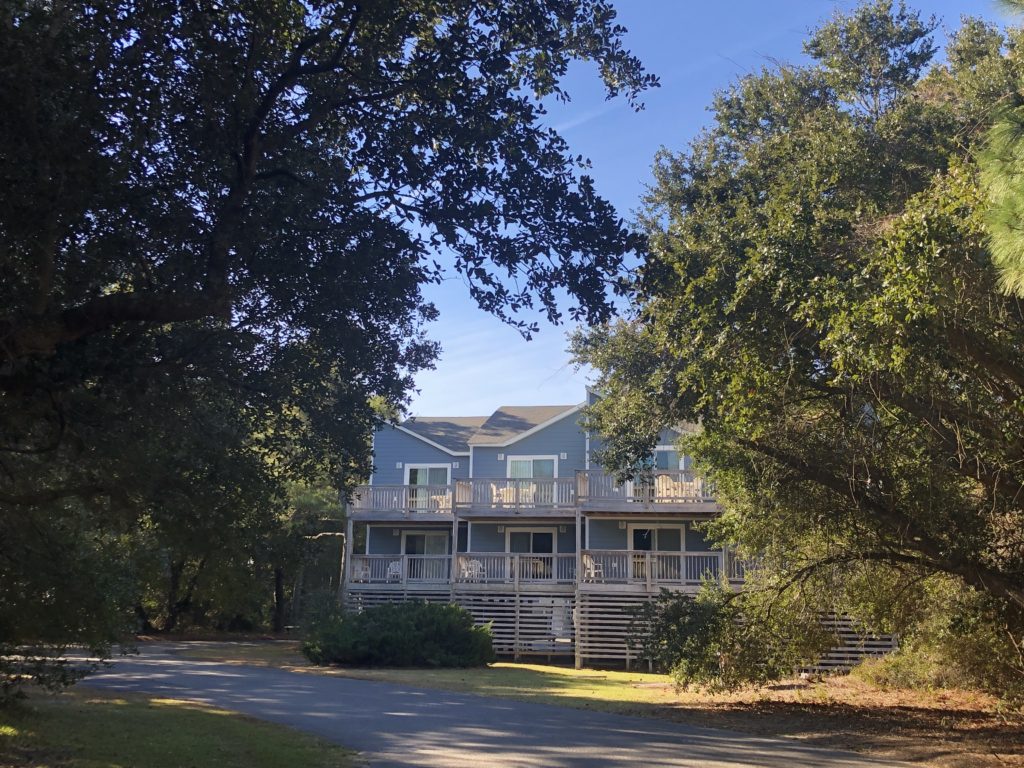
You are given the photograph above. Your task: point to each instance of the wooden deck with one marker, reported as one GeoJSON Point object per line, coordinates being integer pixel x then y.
{"type": "Point", "coordinates": [590, 491]}
{"type": "Point", "coordinates": [659, 491]}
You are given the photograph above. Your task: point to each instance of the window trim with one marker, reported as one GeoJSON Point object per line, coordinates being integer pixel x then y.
{"type": "Point", "coordinates": [682, 456]}
{"type": "Point", "coordinates": [531, 457]}
{"type": "Point", "coordinates": [681, 527]}
{"type": "Point", "coordinates": [447, 545]}
{"type": "Point", "coordinates": [447, 466]}
{"type": "Point", "coordinates": [553, 530]}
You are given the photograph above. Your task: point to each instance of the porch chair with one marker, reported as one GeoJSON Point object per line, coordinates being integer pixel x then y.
{"type": "Point", "coordinates": [394, 570]}
{"type": "Point", "coordinates": [361, 572]}
{"type": "Point", "coordinates": [472, 570]}
{"type": "Point", "coordinates": [592, 570]}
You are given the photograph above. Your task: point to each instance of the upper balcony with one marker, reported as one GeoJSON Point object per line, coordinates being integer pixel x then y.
{"type": "Point", "coordinates": [594, 490]}
{"type": "Point", "coordinates": [668, 490]}
{"type": "Point", "coordinates": [403, 502]}
{"type": "Point", "coordinates": [508, 496]}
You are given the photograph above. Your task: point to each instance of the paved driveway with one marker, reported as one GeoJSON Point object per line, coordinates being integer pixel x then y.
{"type": "Point", "coordinates": [397, 725]}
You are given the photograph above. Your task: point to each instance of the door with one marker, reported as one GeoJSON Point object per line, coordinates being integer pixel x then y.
{"type": "Point", "coordinates": [541, 469]}
{"type": "Point", "coordinates": [423, 485]}
{"type": "Point", "coordinates": [650, 545]}
{"type": "Point", "coordinates": [535, 542]}
{"type": "Point", "coordinates": [428, 556]}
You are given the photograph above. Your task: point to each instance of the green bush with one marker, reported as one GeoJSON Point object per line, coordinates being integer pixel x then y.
{"type": "Point", "coordinates": [412, 634]}
{"type": "Point", "coordinates": [707, 641]}
{"type": "Point", "coordinates": [961, 638]}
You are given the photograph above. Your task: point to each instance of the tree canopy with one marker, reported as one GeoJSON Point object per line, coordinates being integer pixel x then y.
{"type": "Point", "coordinates": [215, 224]}
{"type": "Point", "coordinates": [820, 296]}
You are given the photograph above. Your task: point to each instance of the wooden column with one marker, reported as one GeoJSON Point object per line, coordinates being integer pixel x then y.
{"type": "Point", "coordinates": [578, 658]}
{"type": "Point", "coordinates": [347, 558]}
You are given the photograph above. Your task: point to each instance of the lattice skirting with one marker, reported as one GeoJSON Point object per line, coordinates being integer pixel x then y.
{"type": "Point", "coordinates": [595, 626]}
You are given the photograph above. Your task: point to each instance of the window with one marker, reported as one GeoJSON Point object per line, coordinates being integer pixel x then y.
{"type": "Point", "coordinates": [427, 474]}
{"type": "Point", "coordinates": [535, 541]}
{"type": "Point", "coordinates": [656, 538]}
{"type": "Point", "coordinates": [424, 479]}
{"type": "Point", "coordinates": [425, 544]}
{"type": "Point", "coordinates": [667, 458]}
{"type": "Point", "coordinates": [533, 467]}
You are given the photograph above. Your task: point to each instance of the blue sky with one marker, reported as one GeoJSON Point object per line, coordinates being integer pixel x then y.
{"type": "Point", "coordinates": [696, 49]}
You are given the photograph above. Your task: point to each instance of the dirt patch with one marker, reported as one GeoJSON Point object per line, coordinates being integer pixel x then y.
{"type": "Point", "coordinates": [944, 728]}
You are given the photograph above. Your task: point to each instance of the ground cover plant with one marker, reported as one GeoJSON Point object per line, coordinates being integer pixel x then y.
{"type": "Point", "coordinates": [410, 634]}
{"type": "Point", "coordinates": [85, 729]}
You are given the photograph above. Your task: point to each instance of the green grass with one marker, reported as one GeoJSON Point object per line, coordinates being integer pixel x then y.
{"type": "Point", "coordinates": [260, 653]}
{"type": "Point", "coordinates": [83, 729]}
{"type": "Point", "coordinates": [587, 689]}
{"type": "Point", "coordinates": [614, 691]}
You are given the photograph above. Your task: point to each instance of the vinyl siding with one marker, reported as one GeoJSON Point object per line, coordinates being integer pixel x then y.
{"type": "Point", "coordinates": [564, 436]}
{"type": "Point", "coordinates": [391, 446]}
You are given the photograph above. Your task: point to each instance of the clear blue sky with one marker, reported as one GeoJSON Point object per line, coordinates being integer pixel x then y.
{"type": "Point", "coordinates": [696, 49]}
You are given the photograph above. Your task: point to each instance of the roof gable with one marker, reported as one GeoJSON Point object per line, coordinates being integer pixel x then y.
{"type": "Point", "coordinates": [452, 433]}
{"type": "Point", "coordinates": [511, 422]}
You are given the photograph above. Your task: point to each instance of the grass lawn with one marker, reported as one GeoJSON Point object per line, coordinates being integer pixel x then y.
{"type": "Point", "coordinates": [84, 729]}
{"type": "Point", "coordinates": [944, 728]}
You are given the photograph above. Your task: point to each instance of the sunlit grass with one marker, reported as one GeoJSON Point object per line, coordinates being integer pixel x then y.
{"type": "Point", "coordinates": [273, 653]}
{"type": "Point", "coordinates": [87, 730]}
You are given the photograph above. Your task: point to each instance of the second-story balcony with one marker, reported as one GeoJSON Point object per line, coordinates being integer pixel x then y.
{"type": "Point", "coordinates": [661, 490]}
{"type": "Point", "coordinates": [516, 495]}
{"type": "Point", "coordinates": [403, 501]}
{"type": "Point", "coordinates": [593, 490]}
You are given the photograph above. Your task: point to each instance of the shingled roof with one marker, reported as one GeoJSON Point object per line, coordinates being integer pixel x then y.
{"type": "Point", "coordinates": [511, 420]}
{"type": "Point", "coordinates": [452, 432]}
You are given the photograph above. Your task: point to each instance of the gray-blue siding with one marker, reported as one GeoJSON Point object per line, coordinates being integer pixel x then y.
{"type": "Point", "coordinates": [564, 436]}
{"type": "Point", "coordinates": [393, 446]}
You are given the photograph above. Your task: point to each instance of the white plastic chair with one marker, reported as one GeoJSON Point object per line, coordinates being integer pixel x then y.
{"type": "Point", "coordinates": [592, 570]}
{"type": "Point", "coordinates": [472, 570]}
{"type": "Point", "coordinates": [395, 570]}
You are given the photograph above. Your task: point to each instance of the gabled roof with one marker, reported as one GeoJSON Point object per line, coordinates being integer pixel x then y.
{"type": "Point", "coordinates": [452, 433]}
{"type": "Point", "coordinates": [511, 422]}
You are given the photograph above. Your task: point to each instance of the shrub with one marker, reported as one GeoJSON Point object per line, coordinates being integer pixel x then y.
{"type": "Point", "coordinates": [412, 634]}
{"type": "Point", "coordinates": [705, 640]}
{"type": "Point", "coordinates": [960, 638]}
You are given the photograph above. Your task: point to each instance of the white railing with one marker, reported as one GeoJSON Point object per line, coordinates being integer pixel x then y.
{"type": "Point", "coordinates": [400, 569]}
{"type": "Point", "coordinates": [652, 568]}
{"type": "Point", "coordinates": [672, 486]}
{"type": "Point", "coordinates": [403, 498]}
{"type": "Point", "coordinates": [508, 494]}
{"type": "Point", "coordinates": [480, 567]}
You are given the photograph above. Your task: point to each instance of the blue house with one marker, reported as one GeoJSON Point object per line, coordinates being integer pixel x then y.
{"type": "Point", "coordinates": [509, 516]}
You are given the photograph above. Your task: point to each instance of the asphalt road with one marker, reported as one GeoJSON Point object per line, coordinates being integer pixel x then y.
{"type": "Point", "coordinates": [397, 725]}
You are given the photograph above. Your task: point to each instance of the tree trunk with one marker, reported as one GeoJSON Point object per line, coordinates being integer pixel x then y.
{"type": "Point", "coordinates": [145, 625]}
{"type": "Point", "coordinates": [279, 604]}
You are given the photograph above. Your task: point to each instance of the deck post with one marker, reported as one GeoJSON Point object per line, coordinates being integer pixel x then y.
{"type": "Point", "coordinates": [647, 569]}
{"type": "Point", "coordinates": [515, 646]}
{"type": "Point", "coordinates": [577, 657]}
{"type": "Point", "coordinates": [454, 554]}
{"type": "Point", "coordinates": [347, 560]}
